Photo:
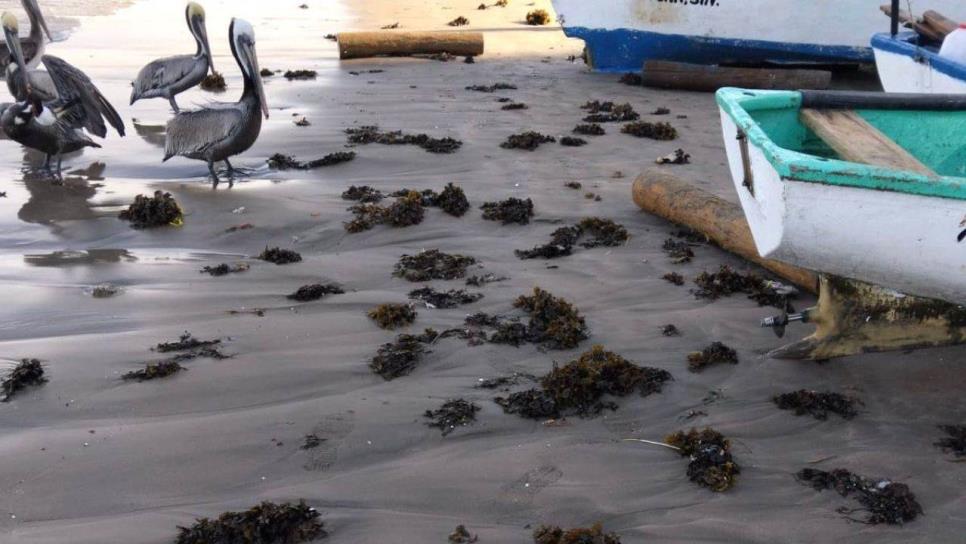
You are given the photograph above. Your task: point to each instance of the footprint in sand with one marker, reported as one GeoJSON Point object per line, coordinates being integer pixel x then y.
{"type": "Point", "coordinates": [332, 431]}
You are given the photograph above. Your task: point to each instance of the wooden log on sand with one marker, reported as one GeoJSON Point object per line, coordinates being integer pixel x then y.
{"type": "Point", "coordinates": [699, 77]}
{"type": "Point", "coordinates": [357, 45]}
{"type": "Point", "coordinates": [665, 195]}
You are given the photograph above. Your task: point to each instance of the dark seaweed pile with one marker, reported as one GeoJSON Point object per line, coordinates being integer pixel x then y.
{"type": "Point", "coordinates": [515, 106]}
{"type": "Point", "coordinates": [27, 373]}
{"type": "Point", "coordinates": [579, 387]}
{"type": "Point", "coordinates": [716, 353]}
{"type": "Point", "coordinates": [224, 269]}
{"type": "Point", "coordinates": [675, 278]}
{"type": "Point", "coordinates": [315, 291]}
{"type": "Point", "coordinates": [399, 358]}
{"type": "Point", "coordinates": [711, 464]}
{"type": "Point", "coordinates": [392, 316]}
{"type": "Point", "coordinates": [459, 21]}
{"type": "Point", "coordinates": [432, 265]}
{"type": "Point", "coordinates": [492, 88]}
{"type": "Point", "coordinates": [726, 282]}
{"type": "Point", "coordinates": [670, 330]}
{"type": "Point", "coordinates": [511, 210]}
{"type": "Point", "coordinates": [154, 371]}
{"type": "Point", "coordinates": [185, 342]}
{"type": "Point", "coordinates": [654, 131]}
{"type": "Point", "coordinates": [818, 405]}
{"type": "Point", "coordinates": [883, 501]}
{"type": "Point", "coordinates": [279, 161]}
{"type": "Point", "coordinates": [632, 78]}
{"type": "Point", "coordinates": [679, 251]}
{"type": "Point", "coordinates": [156, 211]}
{"type": "Point", "coordinates": [371, 134]}
{"type": "Point", "coordinates": [604, 232]}
{"type": "Point", "coordinates": [214, 82]}
{"type": "Point", "coordinates": [461, 535]}
{"type": "Point", "coordinates": [312, 441]}
{"type": "Point", "coordinates": [300, 74]}
{"type": "Point", "coordinates": [554, 322]}
{"type": "Point", "coordinates": [538, 17]}
{"type": "Point", "coordinates": [528, 141]}
{"type": "Point", "coordinates": [406, 211]}
{"type": "Point", "coordinates": [452, 414]}
{"type": "Point", "coordinates": [267, 523]}
{"type": "Point", "coordinates": [677, 157]}
{"type": "Point", "coordinates": [451, 199]}
{"type": "Point", "coordinates": [592, 129]}
{"type": "Point", "coordinates": [482, 280]}
{"type": "Point", "coordinates": [363, 193]}
{"type": "Point", "coordinates": [955, 442]}
{"type": "Point", "coordinates": [609, 112]}
{"type": "Point", "coordinates": [444, 299]}
{"type": "Point", "coordinates": [551, 534]}
{"type": "Point", "coordinates": [280, 256]}
{"type": "Point", "coordinates": [570, 141]}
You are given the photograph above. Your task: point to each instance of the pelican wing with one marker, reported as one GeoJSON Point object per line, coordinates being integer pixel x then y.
{"type": "Point", "coordinates": [193, 133]}
{"type": "Point", "coordinates": [86, 107]}
{"type": "Point", "coordinates": [161, 74]}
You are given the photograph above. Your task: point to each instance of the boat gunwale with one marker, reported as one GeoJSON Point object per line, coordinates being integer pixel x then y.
{"type": "Point", "coordinates": [903, 44]}
{"type": "Point", "coordinates": [797, 166]}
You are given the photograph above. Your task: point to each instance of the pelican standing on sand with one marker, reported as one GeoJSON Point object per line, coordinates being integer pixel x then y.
{"type": "Point", "coordinates": [54, 126]}
{"type": "Point", "coordinates": [33, 45]}
{"type": "Point", "coordinates": [222, 130]}
{"type": "Point", "coordinates": [171, 76]}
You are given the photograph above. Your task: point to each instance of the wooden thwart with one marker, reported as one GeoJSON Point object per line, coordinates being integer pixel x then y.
{"type": "Point", "coordinates": [855, 140]}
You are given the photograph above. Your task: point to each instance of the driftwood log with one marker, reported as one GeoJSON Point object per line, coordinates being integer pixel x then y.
{"type": "Point", "coordinates": [668, 196]}
{"type": "Point", "coordinates": [358, 45]}
{"type": "Point", "coordinates": [699, 77]}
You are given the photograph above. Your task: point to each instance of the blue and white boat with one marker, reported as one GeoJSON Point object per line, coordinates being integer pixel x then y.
{"type": "Point", "coordinates": [907, 66]}
{"type": "Point", "coordinates": [620, 35]}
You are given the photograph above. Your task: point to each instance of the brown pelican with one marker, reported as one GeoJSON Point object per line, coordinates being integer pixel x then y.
{"type": "Point", "coordinates": [222, 130]}
{"type": "Point", "coordinates": [55, 126]}
{"type": "Point", "coordinates": [33, 45]}
{"type": "Point", "coordinates": [168, 77]}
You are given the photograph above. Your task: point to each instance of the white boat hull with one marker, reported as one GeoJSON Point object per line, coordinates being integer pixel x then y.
{"type": "Point", "coordinates": [900, 241]}
{"type": "Point", "coordinates": [904, 68]}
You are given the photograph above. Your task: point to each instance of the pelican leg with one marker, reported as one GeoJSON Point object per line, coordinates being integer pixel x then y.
{"type": "Point", "coordinates": [60, 160]}
{"type": "Point", "coordinates": [231, 174]}
{"type": "Point", "coordinates": [174, 105]}
{"type": "Point", "coordinates": [47, 162]}
{"type": "Point", "coordinates": [214, 175]}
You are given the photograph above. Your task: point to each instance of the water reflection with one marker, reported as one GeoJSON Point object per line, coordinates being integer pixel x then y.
{"type": "Point", "coordinates": [152, 134]}
{"type": "Point", "coordinates": [80, 258]}
{"type": "Point", "coordinates": [53, 200]}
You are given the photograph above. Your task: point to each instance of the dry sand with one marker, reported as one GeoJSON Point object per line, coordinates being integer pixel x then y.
{"type": "Point", "coordinates": [89, 459]}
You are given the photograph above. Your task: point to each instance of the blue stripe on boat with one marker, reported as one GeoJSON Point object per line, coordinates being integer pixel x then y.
{"type": "Point", "coordinates": [907, 45]}
{"type": "Point", "coordinates": [625, 50]}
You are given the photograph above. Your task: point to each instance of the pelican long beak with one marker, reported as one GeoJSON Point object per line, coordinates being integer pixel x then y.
{"type": "Point", "coordinates": [201, 31]}
{"type": "Point", "coordinates": [251, 58]}
{"type": "Point", "coordinates": [37, 16]}
{"type": "Point", "coordinates": [11, 34]}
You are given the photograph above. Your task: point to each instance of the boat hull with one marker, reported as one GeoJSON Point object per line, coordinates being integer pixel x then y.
{"type": "Point", "coordinates": [621, 35]}
{"type": "Point", "coordinates": [905, 242]}
{"type": "Point", "coordinates": [904, 67]}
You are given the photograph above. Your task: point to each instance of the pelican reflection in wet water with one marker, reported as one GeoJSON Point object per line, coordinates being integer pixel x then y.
{"type": "Point", "coordinates": [219, 131]}
{"type": "Point", "coordinates": [170, 76]}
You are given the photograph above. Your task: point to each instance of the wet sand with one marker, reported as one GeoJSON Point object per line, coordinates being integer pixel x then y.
{"type": "Point", "coordinates": [88, 458]}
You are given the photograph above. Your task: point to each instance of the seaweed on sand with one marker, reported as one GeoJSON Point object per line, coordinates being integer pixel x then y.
{"type": "Point", "coordinates": [214, 82]}
{"type": "Point", "coordinates": [452, 414]}
{"type": "Point", "coordinates": [185, 342]}
{"type": "Point", "coordinates": [316, 291]}
{"type": "Point", "coordinates": [654, 131]}
{"type": "Point", "coordinates": [883, 501]}
{"type": "Point", "coordinates": [726, 282]}
{"type": "Point", "coordinates": [459, 21]}
{"type": "Point", "coordinates": [528, 141]}
{"type": "Point", "coordinates": [312, 441]}
{"type": "Point", "coordinates": [461, 535]}
{"type": "Point", "coordinates": [570, 141]}
{"type": "Point", "coordinates": [154, 371]}
{"type": "Point", "coordinates": [538, 17]}
{"type": "Point", "coordinates": [716, 353]}
{"type": "Point", "coordinates": [561, 244]}
{"type": "Point", "coordinates": [515, 106]}
{"type": "Point", "coordinates": [818, 405]}
{"type": "Point", "coordinates": [431, 265]}
{"type": "Point", "coordinates": [300, 74]}
{"type": "Point", "coordinates": [279, 256]}
{"type": "Point", "coordinates": [279, 161]}
{"type": "Point", "coordinates": [27, 373]}
{"type": "Point", "coordinates": [153, 211]}
{"type": "Point", "coordinates": [511, 210]}
{"type": "Point", "coordinates": [482, 280]}
{"type": "Point", "coordinates": [267, 523]}
{"type": "Point", "coordinates": [406, 211]}
{"type": "Point", "coordinates": [633, 79]}
{"type": "Point", "coordinates": [711, 464]}
{"type": "Point", "coordinates": [609, 112]}
{"type": "Point", "coordinates": [955, 442]}
{"type": "Point", "coordinates": [605, 233]}
{"type": "Point", "coordinates": [575, 185]}
{"type": "Point", "coordinates": [551, 534]}
{"type": "Point", "coordinates": [678, 156]}
{"type": "Point", "coordinates": [224, 269]}
{"type": "Point", "coordinates": [670, 330]}
{"type": "Point", "coordinates": [492, 88]}
{"type": "Point", "coordinates": [675, 278]}
{"type": "Point", "coordinates": [371, 134]}
{"type": "Point", "coordinates": [680, 252]}
{"type": "Point", "coordinates": [579, 387]}
{"type": "Point", "coordinates": [591, 129]}
{"type": "Point", "coordinates": [393, 316]}
{"type": "Point", "coordinates": [363, 193]}
{"type": "Point", "coordinates": [444, 299]}
{"type": "Point", "coordinates": [452, 200]}
{"type": "Point", "coordinates": [399, 358]}
{"type": "Point", "coordinates": [554, 322]}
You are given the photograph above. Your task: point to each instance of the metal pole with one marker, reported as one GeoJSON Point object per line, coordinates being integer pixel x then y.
{"type": "Point", "coordinates": [895, 17]}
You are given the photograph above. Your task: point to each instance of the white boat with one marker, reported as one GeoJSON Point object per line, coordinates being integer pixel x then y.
{"type": "Point", "coordinates": [905, 66]}
{"type": "Point", "coordinates": [898, 229]}
{"type": "Point", "coordinates": [621, 34]}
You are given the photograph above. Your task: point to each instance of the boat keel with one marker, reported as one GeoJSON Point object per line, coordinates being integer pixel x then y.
{"type": "Point", "coordinates": [853, 318]}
